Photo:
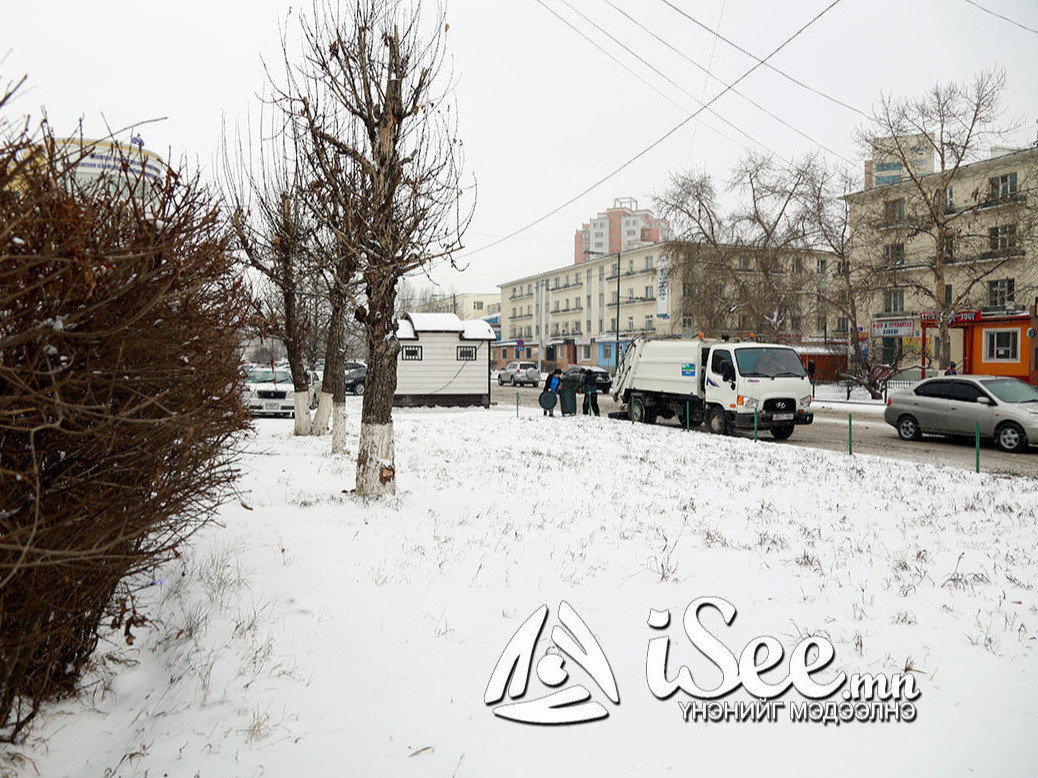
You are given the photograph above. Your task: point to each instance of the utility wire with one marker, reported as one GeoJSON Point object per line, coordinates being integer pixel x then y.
{"type": "Point", "coordinates": [661, 139]}
{"type": "Point", "coordinates": [706, 82]}
{"type": "Point", "coordinates": [1004, 18]}
{"type": "Point", "coordinates": [655, 70]}
{"type": "Point", "coordinates": [764, 61]}
{"type": "Point", "coordinates": [636, 75]}
{"type": "Point", "coordinates": [745, 97]}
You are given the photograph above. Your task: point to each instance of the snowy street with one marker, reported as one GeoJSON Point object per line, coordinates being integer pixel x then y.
{"type": "Point", "coordinates": [314, 634]}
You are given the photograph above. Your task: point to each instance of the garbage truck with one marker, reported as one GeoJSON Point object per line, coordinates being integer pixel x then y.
{"type": "Point", "coordinates": [727, 385]}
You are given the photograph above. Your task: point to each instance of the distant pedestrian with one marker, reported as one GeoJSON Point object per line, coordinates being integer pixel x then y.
{"type": "Point", "coordinates": [951, 369]}
{"type": "Point", "coordinates": [590, 385]}
{"type": "Point", "coordinates": [551, 389]}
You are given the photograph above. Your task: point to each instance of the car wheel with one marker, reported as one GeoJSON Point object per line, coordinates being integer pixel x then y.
{"type": "Point", "coordinates": [535, 384]}
{"type": "Point", "coordinates": [358, 389]}
{"type": "Point", "coordinates": [512, 380]}
{"type": "Point", "coordinates": [782, 433]}
{"type": "Point", "coordinates": [500, 381]}
{"type": "Point", "coordinates": [908, 428]}
{"type": "Point", "coordinates": [637, 410]}
{"type": "Point", "coordinates": [1011, 437]}
{"type": "Point", "coordinates": [715, 421]}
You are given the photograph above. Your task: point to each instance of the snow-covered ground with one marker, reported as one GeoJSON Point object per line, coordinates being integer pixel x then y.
{"type": "Point", "coordinates": [316, 634]}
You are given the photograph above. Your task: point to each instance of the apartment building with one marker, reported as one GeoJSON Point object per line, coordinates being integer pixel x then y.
{"type": "Point", "coordinates": [957, 245]}
{"type": "Point", "coordinates": [464, 305]}
{"type": "Point", "coordinates": [577, 314]}
{"type": "Point", "coordinates": [620, 228]}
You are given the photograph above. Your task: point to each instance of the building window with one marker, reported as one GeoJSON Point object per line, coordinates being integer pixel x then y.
{"type": "Point", "coordinates": [477, 305]}
{"type": "Point", "coordinates": [745, 263]}
{"type": "Point", "coordinates": [528, 332]}
{"type": "Point", "coordinates": [585, 351]}
{"type": "Point", "coordinates": [820, 323]}
{"type": "Point", "coordinates": [744, 321]}
{"type": "Point", "coordinates": [797, 266]}
{"type": "Point", "coordinates": [894, 254]}
{"type": "Point", "coordinates": [894, 301]}
{"type": "Point", "coordinates": [686, 290]}
{"type": "Point", "coordinates": [630, 323]}
{"type": "Point", "coordinates": [1002, 238]}
{"type": "Point", "coordinates": [529, 288]}
{"type": "Point", "coordinates": [949, 247]}
{"type": "Point", "coordinates": [1001, 345]}
{"type": "Point", "coordinates": [600, 327]}
{"type": "Point", "coordinates": [795, 322]}
{"type": "Point", "coordinates": [843, 268]}
{"type": "Point", "coordinates": [466, 354]}
{"type": "Point", "coordinates": [648, 322]}
{"type": "Point", "coordinates": [411, 353]}
{"type": "Point", "coordinates": [607, 351]}
{"type": "Point", "coordinates": [513, 313]}
{"type": "Point", "coordinates": [649, 292]}
{"type": "Point", "coordinates": [686, 322]}
{"type": "Point", "coordinates": [947, 295]}
{"type": "Point", "coordinates": [823, 266]}
{"type": "Point", "coordinates": [504, 353]}
{"type": "Point", "coordinates": [842, 325]}
{"type": "Point", "coordinates": [648, 263]}
{"type": "Point", "coordinates": [894, 211]}
{"type": "Point", "coordinates": [1001, 292]}
{"type": "Point", "coordinates": [1003, 187]}
{"type": "Point", "coordinates": [949, 200]}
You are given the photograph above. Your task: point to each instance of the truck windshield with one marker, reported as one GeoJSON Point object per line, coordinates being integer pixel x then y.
{"type": "Point", "coordinates": [767, 362]}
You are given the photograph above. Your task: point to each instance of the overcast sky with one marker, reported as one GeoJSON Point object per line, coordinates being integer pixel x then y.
{"type": "Point", "coordinates": [544, 114]}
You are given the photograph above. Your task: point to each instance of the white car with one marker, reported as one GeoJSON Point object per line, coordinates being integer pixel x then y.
{"type": "Point", "coordinates": [269, 392]}
{"type": "Point", "coordinates": [519, 373]}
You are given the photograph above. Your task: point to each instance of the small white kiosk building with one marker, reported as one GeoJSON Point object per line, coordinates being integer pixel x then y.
{"type": "Point", "coordinates": [442, 361]}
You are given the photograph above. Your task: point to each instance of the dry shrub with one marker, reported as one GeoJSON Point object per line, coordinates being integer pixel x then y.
{"type": "Point", "coordinates": [120, 398]}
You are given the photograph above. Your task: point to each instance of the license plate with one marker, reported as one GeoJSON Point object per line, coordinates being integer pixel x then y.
{"type": "Point", "coordinates": [271, 406]}
{"type": "Point", "coordinates": [782, 417]}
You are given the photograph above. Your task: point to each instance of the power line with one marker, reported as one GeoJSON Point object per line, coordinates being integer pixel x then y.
{"type": "Point", "coordinates": [637, 75]}
{"type": "Point", "coordinates": [759, 61]}
{"type": "Point", "coordinates": [744, 96]}
{"type": "Point", "coordinates": [660, 140]}
{"type": "Point", "coordinates": [658, 72]}
{"type": "Point", "coordinates": [706, 82]}
{"type": "Point", "coordinates": [1004, 18]}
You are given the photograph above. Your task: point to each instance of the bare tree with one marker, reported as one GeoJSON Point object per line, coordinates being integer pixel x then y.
{"type": "Point", "coordinates": [937, 225]}
{"type": "Point", "coordinates": [852, 281]}
{"type": "Point", "coordinates": [740, 269]}
{"type": "Point", "coordinates": [262, 184]}
{"type": "Point", "coordinates": [385, 176]}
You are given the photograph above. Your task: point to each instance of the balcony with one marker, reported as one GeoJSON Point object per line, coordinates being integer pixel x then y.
{"type": "Point", "coordinates": [638, 272]}
{"type": "Point", "coordinates": [519, 316]}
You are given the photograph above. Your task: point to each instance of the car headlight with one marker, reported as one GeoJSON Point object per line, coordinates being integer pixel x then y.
{"type": "Point", "coordinates": [805, 401]}
{"type": "Point", "coordinates": [749, 403]}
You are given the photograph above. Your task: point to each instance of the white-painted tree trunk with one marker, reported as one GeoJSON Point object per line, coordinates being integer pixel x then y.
{"type": "Point", "coordinates": [339, 436]}
{"type": "Point", "coordinates": [376, 474]}
{"type": "Point", "coordinates": [302, 406]}
{"type": "Point", "coordinates": [323, 415]}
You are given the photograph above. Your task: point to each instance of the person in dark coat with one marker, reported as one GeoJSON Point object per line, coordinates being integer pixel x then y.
{"type": "Point", "coordinates": [552, 385]}
{"type": "Point", "coordinates": [590, 386]}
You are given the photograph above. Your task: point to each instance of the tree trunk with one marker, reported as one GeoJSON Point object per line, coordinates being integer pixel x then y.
{"type": "Point", "coordinates": [302, 407]}
{"type": "Point", "coordinates": [376, 472]}
{"type": "Point", "coordinates": [333, 364]}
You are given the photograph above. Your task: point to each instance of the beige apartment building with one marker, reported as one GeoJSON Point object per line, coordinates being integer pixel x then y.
{"type": "Point", "coordinates": [576, 314]}
{"type": "Point", "coordinates": [464, 305]}
{"type": "Point", "coordinates": [983, 217]}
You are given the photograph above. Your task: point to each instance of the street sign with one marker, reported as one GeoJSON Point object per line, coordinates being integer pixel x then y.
{"type": "Point", "coordinates": [521, 343]}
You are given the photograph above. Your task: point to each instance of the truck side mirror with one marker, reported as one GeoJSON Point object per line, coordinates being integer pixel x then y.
{"type": "Point", "coordinates": [727, 372]}
{"type": "Point", "coordinates": [811, 367]}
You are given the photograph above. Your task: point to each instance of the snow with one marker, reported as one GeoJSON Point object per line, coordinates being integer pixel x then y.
{"type": "Point", "coordinates": [316, 633]}
{"type": "Point", "coordinates": [477, 329]}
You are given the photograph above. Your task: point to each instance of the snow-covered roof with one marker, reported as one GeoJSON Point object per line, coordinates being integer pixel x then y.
{"type": "Point", "coordinates": [477, 329]}
{"type": "Point", "coordinates": [405, 330]}
{"type": "Point", "coordinates": [411, 325]}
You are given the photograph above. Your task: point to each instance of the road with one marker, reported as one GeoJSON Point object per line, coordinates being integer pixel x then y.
{"type": "Point", "coordinates": [871, 435]}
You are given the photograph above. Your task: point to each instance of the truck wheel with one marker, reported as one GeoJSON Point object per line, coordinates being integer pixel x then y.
{"type": "Point", "coordinates": [715, 421]}
{"type": "Point", "coordinates": [781, 433]}
{"type": "Point", "coordinates": [638, 410]}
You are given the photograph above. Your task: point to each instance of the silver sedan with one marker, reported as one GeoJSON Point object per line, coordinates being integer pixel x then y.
{"type": "Point", "coordinates": [1006, 410]}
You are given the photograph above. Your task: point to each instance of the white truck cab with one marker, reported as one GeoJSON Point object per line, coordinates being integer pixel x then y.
{"type": "Point", "coordinates": [728, 385]}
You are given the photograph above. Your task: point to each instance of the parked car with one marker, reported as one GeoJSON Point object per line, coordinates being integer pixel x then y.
{"type": "Point", "coordinates": [1005, 408]}
{"type": "Point", "coordinates": [356, 377]}
{"type": "Point", "coordinates": [603, 380]}
{"type": "Point", "coordinates": [519, 373]}
{"type": "Point", "coordinates": [268, 392]}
